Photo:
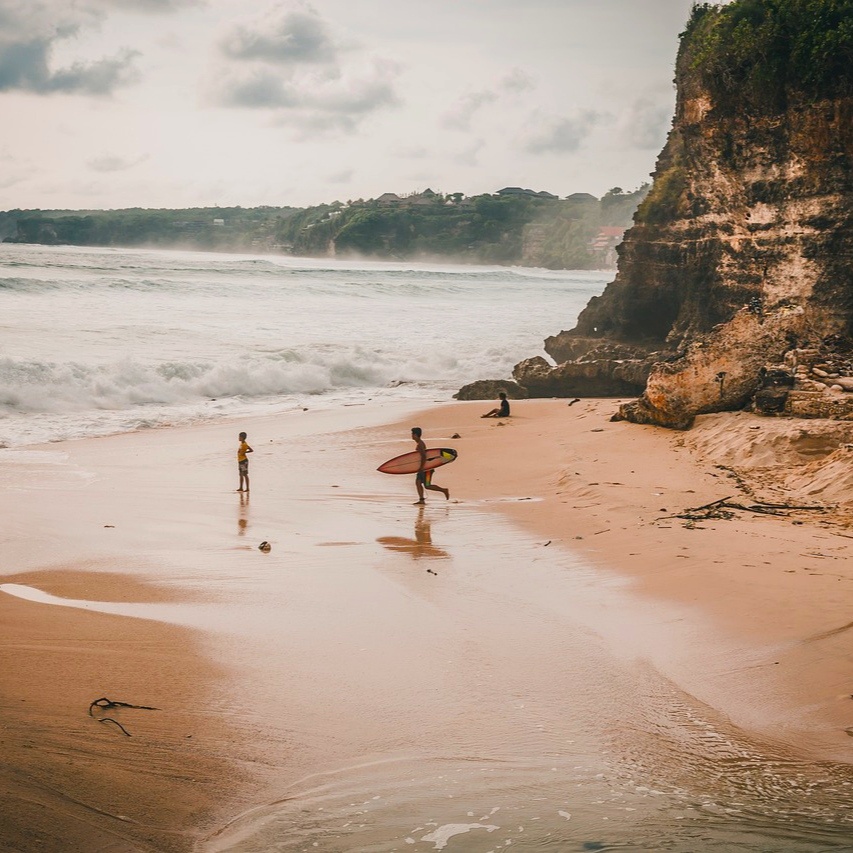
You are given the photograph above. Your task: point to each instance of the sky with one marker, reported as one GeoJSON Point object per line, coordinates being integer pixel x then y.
{"type": "Point", "coordinates": [108, 104]}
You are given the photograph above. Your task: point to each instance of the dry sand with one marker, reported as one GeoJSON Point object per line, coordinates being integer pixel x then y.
{"type": "Point", "coordinates": [150, 519]}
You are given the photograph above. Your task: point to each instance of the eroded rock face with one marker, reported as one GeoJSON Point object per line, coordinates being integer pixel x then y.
{"type": "Point", "coordinates": [718, 372]}
{"type": "Point", "coordinates": [741, 252]}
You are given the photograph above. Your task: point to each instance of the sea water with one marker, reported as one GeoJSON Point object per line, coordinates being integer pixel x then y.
{"type": "Point", "coordinates": [97, 341]}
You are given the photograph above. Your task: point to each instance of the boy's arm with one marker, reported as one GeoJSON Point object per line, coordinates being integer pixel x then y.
{"type": "Point", "coordinates": [249, 449]}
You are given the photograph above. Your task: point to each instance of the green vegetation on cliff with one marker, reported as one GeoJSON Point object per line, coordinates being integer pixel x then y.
{"type": "Point", "coordinates": [515, 227]}
{"type": "Point", "coordinates": [768, 50]}
{"type": "Point", "coordinates": [498, 229]}
{"type": "Point", "coordinates": [756, 59]}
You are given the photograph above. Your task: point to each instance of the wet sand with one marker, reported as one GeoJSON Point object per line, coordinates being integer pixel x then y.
{"type": "Point", "coordinates": [776, 588]}
{"type": "Point", "coordinates": [269, 668]}
{"type": "Point", "coordinates": [70, 782]}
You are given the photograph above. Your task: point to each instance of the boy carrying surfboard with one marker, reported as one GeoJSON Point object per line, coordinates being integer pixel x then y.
{"type": "Point", "coordinates": [423, 479]}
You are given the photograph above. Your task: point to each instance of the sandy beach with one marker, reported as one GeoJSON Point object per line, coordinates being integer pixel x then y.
{"type": "Point", "coordinates": [374, 629]}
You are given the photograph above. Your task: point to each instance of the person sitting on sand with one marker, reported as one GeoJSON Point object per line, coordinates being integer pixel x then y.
{"type": "Point", "coordinates": [243, 462]}
{"type": "Point", "coordinates": [502, 411]}
{"type": "Point", "coordinates": [423, 479]}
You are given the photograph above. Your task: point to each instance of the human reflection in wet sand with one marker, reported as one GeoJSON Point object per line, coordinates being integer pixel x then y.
{"type": "Point", "coordinates": [242, 513]}
{"type": "Point", "coordinates": [421, 545]}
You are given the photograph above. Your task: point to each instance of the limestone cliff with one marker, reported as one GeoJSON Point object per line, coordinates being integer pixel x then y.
{"type": "Point", "coordinates": [743, 249]}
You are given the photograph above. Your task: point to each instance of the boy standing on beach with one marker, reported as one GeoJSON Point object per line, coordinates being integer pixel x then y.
{"type": "Point", "coordinates": [423, 479]}
{"type": "Point", "coordinates": [243, 462]}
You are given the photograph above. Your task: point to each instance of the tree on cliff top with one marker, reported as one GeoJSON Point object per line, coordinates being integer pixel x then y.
{"type": "Point", "coordinates": [768, 50]}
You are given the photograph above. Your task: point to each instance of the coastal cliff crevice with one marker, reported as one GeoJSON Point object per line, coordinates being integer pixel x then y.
{"type": "Point", "coordinates": [743, 248]}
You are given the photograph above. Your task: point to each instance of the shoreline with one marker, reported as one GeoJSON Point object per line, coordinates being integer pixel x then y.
{"type": "Point", "coordinates": [768, 594]}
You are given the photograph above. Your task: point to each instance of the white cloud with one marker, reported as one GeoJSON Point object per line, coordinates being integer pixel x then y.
{"type": "Point", "coordinates": [411, 152]}
{"type": "Point", "coordinates": [31, 33]}
{"type": "Point", "coordinates": [517, 81]}
{"type": "Point", "coordinates": [14, 178]}
{"type": "Point", "coordinates": [342, 177]}
{"type": "Point", "coordinates": [258, 89]}
{"type": "Point", "coordinates": [469, 156]}
{"type": "Point", "coordinates": [460, 116]}
{"type": "Point", "coordinates": [646, 123]}
{"type": "Point", "coordinates": [149, 5]}
{"type": "Point", "coordinates": [562, 135]}
{"type": "Point", "coordinates": [282, 36]}
{"type": "Point", "coordinates": [296, 69]}
{"type": "Point", "coordinates": [111, 163]}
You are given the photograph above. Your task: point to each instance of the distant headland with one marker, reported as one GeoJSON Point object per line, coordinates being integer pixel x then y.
{"type": "Point", "coordinates": [512, 226]}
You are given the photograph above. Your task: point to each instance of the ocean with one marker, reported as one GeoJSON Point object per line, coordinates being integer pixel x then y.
{"type": "Point", "coordinates": [98, 341]}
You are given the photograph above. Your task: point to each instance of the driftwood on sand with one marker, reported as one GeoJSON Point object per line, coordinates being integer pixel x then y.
{"type": "Point", "coordinates": [105, 704]}
{"type": "Point", "coordinates": [723, 509]}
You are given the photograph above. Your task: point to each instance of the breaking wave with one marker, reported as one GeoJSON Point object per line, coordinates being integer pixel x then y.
{"type": "Point", "coordinates": [94, 341]}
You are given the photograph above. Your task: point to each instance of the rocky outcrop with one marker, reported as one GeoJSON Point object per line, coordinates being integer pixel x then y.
{"type": "Point", "coordinates": [488, 389]}
{"type": "Point", "coordinates": [597, 375]}
{"type": "Point", "coordinates": [810, 383]}
{"type": "Point", "coordinates": [743, 249]}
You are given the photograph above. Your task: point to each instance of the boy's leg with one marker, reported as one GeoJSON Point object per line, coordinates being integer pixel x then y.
{"type": "Point", "coordinates": [428, 485]}
{"type": "Point", "coordinates": [445, 492]}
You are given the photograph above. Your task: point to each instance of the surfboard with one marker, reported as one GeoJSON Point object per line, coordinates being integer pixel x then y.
{"type": "Point", "coordinates": [410, 463]}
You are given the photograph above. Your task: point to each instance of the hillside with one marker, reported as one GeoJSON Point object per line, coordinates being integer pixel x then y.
{"type": "Point", "coordinates": [512, 226]}
{"type": "Point", "coordinates": [203, 228]}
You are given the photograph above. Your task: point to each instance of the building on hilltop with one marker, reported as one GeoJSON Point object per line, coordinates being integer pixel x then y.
{"type": "Point", "coordinates": [426, 197]}
{"type": "Point", "coordinates": [604, 244]}
{"type": "Point", "coordinates": [389, 199]}
{"type": "Point", "coordinates": [508, 191]}
{"type": "Point", "coordinates": [518, 191]}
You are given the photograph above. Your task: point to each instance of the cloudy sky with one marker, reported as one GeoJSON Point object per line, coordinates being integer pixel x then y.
{"type": "Point", "coordinates": [180, 103]}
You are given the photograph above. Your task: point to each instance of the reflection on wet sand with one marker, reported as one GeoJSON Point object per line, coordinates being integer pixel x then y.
{"type": "Point", "coordinates": [242, 513]}
{"type": "Point", "coordinates": [421, 545]}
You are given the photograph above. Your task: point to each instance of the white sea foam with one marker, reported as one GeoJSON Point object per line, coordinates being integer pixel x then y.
{"type": "Point", "coordinates": [149, 610]}
{"type": "Point", "coordinates": [34, 457]}
{"type": "Point", "coordinates": [444, 833]}
{"type": "Point", "coordinates": [94, 341]}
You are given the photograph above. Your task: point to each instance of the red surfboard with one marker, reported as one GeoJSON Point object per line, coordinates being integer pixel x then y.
{"type": "Point", "coordinates": [410, 463]}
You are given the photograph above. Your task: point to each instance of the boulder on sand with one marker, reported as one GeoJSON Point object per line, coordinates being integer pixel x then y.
{"type": "Point", "coordinates": [488, 389]}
